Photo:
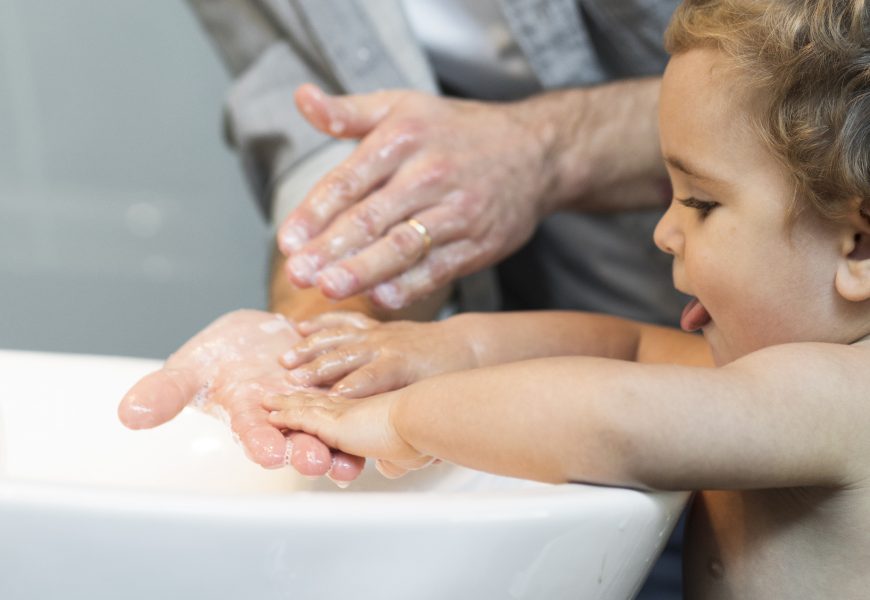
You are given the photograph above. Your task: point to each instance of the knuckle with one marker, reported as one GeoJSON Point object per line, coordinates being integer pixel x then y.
{"type": "Point", "coordinates": [368, 216]}
{"type": "Point", "coordinates": [346, 355]}
{"type": "Point", "coordinates": [303, 349]}
{"type": "Point", "coordinates": [323, 364]}
{"type": "Point", "coordinates": [436, 172]}
{"type": "Point", "coordinates": [469, 207]}
{"type": "Point", "coordinates": [409, 131]}
{"type": "Point", "coordinates": [367, 376]}
{"type": "Point", "coordinates": [343, 182]}
{"type": "Point", "coordinates": [404, 138]}
{"type": "Point", "coordinates": [321, 337]}
{"type": "Point", "coordinates": [405, 241]}
{"type": "Point", "coordinates": [314, 344]}
{"type": "Point", "coordinates": [465, 201]}
{"type": "Point", "coordinates": [439, 271]}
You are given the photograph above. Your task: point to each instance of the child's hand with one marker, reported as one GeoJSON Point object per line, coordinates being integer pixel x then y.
{"type": "Point", "coordinates": [359, 356]}
{"type": "Point", "coordinates": [357, 427]}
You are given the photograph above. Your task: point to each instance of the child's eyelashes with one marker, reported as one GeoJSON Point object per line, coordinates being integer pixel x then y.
{"type": "Point", "coordinates": [704, 207]}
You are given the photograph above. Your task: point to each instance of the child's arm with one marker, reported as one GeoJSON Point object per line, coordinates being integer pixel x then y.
{"type": "Point", "coordinates": [360, 356]}
{"type": "Point", "coordinates": [786, 416]}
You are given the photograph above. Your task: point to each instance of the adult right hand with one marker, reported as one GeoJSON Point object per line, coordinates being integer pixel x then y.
{"type": "Point", "coordinates": [471, 174]}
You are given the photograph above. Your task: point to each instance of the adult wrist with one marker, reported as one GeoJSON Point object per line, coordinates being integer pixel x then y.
{"type": "Point", "coordinates": [593, 140]}
{"type": "Point", "coordinates": [539, 148]}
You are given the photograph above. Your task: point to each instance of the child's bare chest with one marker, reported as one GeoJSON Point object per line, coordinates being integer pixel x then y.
{"type": "Point", "coordinates": [800, 543]}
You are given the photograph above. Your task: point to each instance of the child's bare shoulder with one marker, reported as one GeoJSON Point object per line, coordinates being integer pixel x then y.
{"type": "Point", "coordinates": [811, 360]}
{"type": "Point", "coordinates": [824, 386]}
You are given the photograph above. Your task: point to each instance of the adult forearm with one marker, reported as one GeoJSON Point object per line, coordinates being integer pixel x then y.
{"type": "Point", "coordinates": [600, 146]}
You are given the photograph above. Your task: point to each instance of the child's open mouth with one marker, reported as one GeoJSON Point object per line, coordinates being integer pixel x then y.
{"type": "Point", "coordinates": [694, 316]}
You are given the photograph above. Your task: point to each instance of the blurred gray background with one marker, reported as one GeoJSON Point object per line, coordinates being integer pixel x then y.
{"type": "Point", "coordinates": [125, 223]}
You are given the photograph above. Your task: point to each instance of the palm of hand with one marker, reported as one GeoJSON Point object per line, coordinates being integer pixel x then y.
{"type": "Point", "coordinates": [226, 370]}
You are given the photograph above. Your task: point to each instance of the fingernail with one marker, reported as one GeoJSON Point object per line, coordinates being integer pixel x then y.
{"type": "Point", "coordinates": [388, 295]}
{"type": "Point", "coordinates": [292, 238]}
{"type": "Point", "coordinates": [303, 267]}
{"type": "Point", "coordinates": [337, 280]}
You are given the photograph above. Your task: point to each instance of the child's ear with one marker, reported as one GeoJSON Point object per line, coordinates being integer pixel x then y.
{"type": "Point", "coordinates": [853, 274]}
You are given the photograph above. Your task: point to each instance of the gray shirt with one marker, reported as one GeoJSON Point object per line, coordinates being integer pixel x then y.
{"type": "Point", "coordinates": [575, 261]}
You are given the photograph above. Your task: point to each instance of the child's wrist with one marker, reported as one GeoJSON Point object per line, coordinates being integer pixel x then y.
{"type": "Point", "coordinates": [398, 417]}
{"type": "Point", "coordinates": [463, 329]}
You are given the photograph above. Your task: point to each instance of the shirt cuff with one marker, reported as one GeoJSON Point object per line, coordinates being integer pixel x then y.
{"type": "Point", "coordinates": [295, 184]}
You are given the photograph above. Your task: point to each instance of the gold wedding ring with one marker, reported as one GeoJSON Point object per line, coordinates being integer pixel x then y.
{"type": "Point", "coordinates": [424, 233]}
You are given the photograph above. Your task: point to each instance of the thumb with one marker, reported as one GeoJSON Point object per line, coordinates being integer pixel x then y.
{"type": "Point", "coordinates": [343, 116]}
{"type": "Point", "coordinates": [158, 397]}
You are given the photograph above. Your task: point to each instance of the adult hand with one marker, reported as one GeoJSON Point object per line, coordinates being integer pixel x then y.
{"type": "Point", "coordinates": [227, 369]}
{"type": "Point", "coordinates": [359, 356]}
{"type": "Point", "coordinates": [436, 189]}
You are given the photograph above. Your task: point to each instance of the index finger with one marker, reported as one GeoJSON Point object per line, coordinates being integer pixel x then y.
{"type": "Point", "coordinates": [372, 162]}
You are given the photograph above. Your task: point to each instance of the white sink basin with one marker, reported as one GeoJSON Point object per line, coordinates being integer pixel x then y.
{"type": "Point", "coordinates": [91, 510]}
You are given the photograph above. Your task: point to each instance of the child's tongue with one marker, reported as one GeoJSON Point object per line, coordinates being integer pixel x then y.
{"type": "Point", "coordinates": [694, 316]}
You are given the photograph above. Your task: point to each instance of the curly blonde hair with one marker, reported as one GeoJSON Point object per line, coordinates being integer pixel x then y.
{"type": "Point", "coordinates": [810, 61]}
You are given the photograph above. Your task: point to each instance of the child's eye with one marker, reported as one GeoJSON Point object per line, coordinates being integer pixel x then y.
{"type": "Point", "coordinates": [704, 207]}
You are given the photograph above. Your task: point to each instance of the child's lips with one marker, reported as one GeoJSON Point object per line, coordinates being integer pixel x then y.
{"type": "Point", "coordinates": [694, 316]}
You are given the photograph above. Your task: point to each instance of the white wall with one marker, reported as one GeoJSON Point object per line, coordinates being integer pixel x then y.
{"type": "Point", "coordinates": [125, 224]}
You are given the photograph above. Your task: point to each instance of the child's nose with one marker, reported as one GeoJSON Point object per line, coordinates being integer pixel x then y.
{"type": "Point", "coordinates": [667, 235]}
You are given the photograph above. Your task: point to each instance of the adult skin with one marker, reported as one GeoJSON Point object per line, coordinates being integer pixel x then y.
{"type": "Point", "coordinates": [477, 175]}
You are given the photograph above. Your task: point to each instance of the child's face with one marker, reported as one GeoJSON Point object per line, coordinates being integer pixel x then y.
{"type": "Point", "coordinates": [759, 280]}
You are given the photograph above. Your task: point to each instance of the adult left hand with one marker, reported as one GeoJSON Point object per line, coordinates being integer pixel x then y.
{"type": "Point", "coordinates": [227, 369]}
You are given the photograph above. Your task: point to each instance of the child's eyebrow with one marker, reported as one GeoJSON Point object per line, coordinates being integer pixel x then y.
{"type": "Point", "coordinates": [682, 165]}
